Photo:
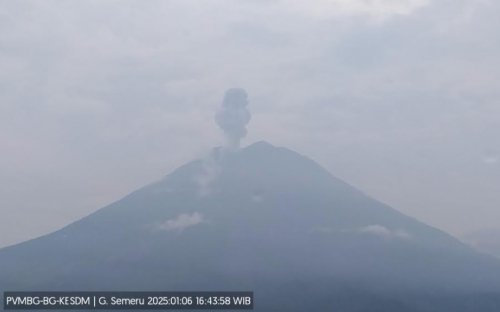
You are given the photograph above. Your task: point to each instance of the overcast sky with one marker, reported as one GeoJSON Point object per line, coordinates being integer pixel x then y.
{"type": "Point", "coordinates": [400, 98]}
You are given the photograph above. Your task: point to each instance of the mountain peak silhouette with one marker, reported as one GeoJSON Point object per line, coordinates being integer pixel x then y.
{"type": "Point", "coordinates": [260, 218]}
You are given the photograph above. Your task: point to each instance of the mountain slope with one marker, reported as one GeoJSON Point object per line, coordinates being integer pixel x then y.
{"type": "Point", "coordinates": [265, 219]}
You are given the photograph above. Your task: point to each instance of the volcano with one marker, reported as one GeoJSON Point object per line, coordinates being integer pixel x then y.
{"type": "Point", "coordinates": [266, 219]}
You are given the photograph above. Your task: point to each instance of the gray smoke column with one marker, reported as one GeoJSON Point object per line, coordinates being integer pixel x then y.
{"type": "Point", "coordinates": [233, 116]}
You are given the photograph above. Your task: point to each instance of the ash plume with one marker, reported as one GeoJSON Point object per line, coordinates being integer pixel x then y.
{"type": "Point", "coordinates": [233, 116]}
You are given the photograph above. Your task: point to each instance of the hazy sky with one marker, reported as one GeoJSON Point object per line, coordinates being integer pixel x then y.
{"type": "Point", "coordinates": [400, 98]}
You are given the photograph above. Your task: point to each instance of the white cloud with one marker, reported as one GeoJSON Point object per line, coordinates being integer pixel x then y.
{"type": "Point", "coordinates": [384, 232]}
{"type": "Point", "coordinates": [182, 222]}
{"type": "Point", "coordinates": [374, 229]}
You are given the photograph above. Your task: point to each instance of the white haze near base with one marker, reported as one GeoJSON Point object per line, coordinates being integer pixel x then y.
{"type": "Point", "coordinates": [373, 229]}
{"type": "Point", "coordinates": [182, 222]}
